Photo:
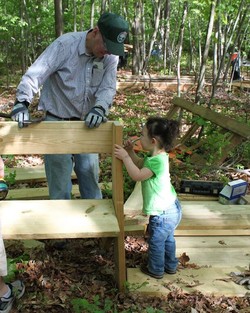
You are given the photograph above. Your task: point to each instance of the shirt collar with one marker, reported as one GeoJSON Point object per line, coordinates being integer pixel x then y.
{"type": "Point", "coordinates": [82, 47]}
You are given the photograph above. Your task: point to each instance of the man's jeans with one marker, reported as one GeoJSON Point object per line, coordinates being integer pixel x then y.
{"type": "Point", "coordinates": [162, 248]}
{"type": "Point", "coordinates": [58, 168]}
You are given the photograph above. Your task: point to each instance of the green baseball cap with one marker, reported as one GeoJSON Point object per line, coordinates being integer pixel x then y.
{"type": "Point", "coordinates": [114, 30]}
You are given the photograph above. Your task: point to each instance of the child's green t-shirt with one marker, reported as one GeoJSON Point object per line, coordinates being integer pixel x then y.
{"type": "Point", "coordinates": [157, 191]}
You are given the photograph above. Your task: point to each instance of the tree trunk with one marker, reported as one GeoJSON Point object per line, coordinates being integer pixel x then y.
{"type": "Point", "coordinates": [158, 6]}
{"type": "Point", "coordinates": [92, 13]}
{"type": "Point", "coordinates": [136, 39]}
{"type": "Point", "coordinates": [166, 45]}
{"type": "Point", "coordinates": [58, 17]}
{"type": "Point", "coordinates": [201, 78]}
{"type": "Point", "coordinates": [23, 46]}
{"type": "Point", "coordinates": [180, 41]}
{"type": "Point", "coordinates": [82, 15]}
{"type": "Point", "coordinates": [143, 35]}
{"type": "Point", "coordinates": [74, 14]}
{"type": "Point", "coordinates": [103, 6]}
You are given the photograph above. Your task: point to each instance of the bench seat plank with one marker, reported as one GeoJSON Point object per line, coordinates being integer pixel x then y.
{"type": "Point", "coordinates": [52, 219]}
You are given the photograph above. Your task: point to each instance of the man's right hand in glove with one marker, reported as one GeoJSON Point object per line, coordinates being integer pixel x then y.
{"type": "Point", "coordinates": [95, 117]}
{"type": "Point", "coordinates": [20, 113]}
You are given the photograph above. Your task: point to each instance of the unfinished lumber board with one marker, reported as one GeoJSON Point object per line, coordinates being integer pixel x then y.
{"type": "Point", "coordinates": [134, 202]}
{"type": "Point", "coordinates": [30, 174]}
{"type": "Point", "coordinates": [215, 258]}
{"type": "Point", "coordinates": [58, 139]}
{"type": "Point", "coordinates": [228, 123]}
{"type": "Point", "coordinates": [200, 218]}
{"type": "Point", "coordinates": [42, 193]}
{"type": "Point", "coordinates": [241, 84]}
{"type": "Point", "coordinates": [208, 281]}
{"type": "Point", "coordinates": [139, 230]}
{"type": "Point", "coordinates": [224, 243]}
{"type": "Point", "coordinates": [137, 85]}
{"type": "Point", "coordinates": [234, 141]}
{"type": "Point", "coordinates": [51, 219]}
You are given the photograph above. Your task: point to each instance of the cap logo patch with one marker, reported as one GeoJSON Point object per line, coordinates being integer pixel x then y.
{"type": "Point", "coordinates": [121, 37]}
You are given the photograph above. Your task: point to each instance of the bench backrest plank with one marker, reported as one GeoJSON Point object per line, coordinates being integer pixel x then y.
{"type": "Point", "coordinates": [56, 137]}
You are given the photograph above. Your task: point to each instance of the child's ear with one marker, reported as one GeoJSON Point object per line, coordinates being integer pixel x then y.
{"type": "Point", "coordinates": [154, 141]}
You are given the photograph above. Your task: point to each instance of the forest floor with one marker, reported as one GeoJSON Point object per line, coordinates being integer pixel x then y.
{"type": "Point", "coordinates": [79, 278]}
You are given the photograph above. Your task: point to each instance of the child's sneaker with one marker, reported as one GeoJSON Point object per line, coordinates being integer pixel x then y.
{"type": "Point", "coordinates": [17, 289]}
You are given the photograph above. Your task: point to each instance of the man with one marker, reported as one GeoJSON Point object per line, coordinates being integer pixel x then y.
{"type": "Point", "coordinates": [78, 75]}
{"type": "Point", "coordinates": [236, 64]}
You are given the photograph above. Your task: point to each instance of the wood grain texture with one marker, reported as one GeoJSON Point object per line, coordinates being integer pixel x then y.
{"type": "Point", "coordinates": [55, 137]}
{"type": "Point", "coordinates": [228, 123]}
{"type": "Point", "coordinates": [50, 219]}
{"type": "Point", "coordinates": [200, 218]}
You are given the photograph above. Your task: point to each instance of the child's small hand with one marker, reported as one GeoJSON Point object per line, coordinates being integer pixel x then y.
{"type": "Point", "coordinates": [128, 145]}
{"type": "Point", "coordinates": [120, 152]}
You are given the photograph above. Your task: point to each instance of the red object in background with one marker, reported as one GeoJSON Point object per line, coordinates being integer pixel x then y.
{"type": "Point", "coordinates": [137, 144]}
{"type": "Point", "coordinates": [179, 149]}
{"type": "Point", "coordinates": [234, 56]}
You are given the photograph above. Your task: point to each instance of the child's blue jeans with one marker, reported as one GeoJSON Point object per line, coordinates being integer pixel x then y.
{"type": "Point", "coordinates": [162, 247]}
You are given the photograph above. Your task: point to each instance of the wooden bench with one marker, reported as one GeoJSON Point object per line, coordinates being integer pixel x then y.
{"type": "Point", "coordinates": [238, 131]}
{"type": "Point", "coordinates": [53, 219]}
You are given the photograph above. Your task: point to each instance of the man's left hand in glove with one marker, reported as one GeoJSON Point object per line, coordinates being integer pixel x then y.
{"type": "Point", "coordinates": [95, 117]}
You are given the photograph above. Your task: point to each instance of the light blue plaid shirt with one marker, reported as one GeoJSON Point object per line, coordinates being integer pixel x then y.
{"type": "Point", "coordinates": [72, 81]}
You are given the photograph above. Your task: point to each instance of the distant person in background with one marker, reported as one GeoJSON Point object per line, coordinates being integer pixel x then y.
{"type": "Point", "coordinates": [236, 63]}
{"type": "Point", "coordinates": [8, 291]}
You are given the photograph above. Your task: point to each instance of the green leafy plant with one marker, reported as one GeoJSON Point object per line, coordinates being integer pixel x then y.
{"type": "Point", "coordinates": [135, 286]}
{"type": "Point", "coordinates": [83, 305]}
{"type": "Point", "coordinates": [12, 268]}
{"type": "Point", "coordinates": [10, 177]}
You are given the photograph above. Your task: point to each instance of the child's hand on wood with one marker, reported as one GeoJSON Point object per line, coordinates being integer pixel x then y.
{"type": "Point", "coordinates": [129, 145]}
{"type": "Point", "coordinates": [120, 152]}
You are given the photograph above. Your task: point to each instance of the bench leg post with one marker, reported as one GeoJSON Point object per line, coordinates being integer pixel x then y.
{"type": "Point", "coordinates": [120, 263]}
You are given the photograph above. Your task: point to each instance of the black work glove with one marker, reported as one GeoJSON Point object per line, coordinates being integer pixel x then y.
{"type": "Point", "coordinates": [20, 113]}
{"type": "Point", "coordinates": [3, 189]}
{"type": "Point", "coordinates": [95, 117]}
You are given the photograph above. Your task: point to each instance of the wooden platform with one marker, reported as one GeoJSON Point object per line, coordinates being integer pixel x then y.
{"type": "Point", "coordinates": [216, 238]}
{"type": "Point", "coordinates": [214, 257]}
{"type": "Point", "coordinates": [200, 218]}
{"type": "Point", "coordinates": [208, 281]}
{"type": "Point", "coordinates": [134, 82]}
{"type": "Point", "coordinates": [243, 84]}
